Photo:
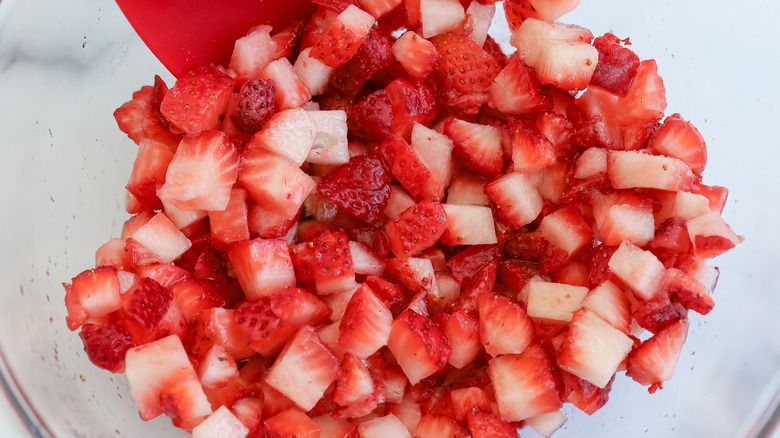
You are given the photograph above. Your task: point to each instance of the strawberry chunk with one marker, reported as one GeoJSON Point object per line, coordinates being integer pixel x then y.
{"type": "Point", "coordinates": [331, 263]}
{"type": "Point", "coordinates": [419, 345]}
{"type": "Point", "coordinates": [255, 105]}
{"type": "Point", "coordinates": [617, 65]}
{"type": "Point", "coordinates": [371, 119]}
{"type": "Point", "coordinates": [197, 100]}
{"type": "Point", "coordinates": [654, 361]}
{"type": "Point", "coordinates": [404, 164]}
{"type": "Point", "coordinates": [484, 425]}
{"type": "Point", "coordinates": [148, 303]}
{"type": "Point", "coordinates": [140, 118]}
{"type": "Point", "coordinates": [416, 228]}
{"type": "Point", "coordinates": [365, 327]}
{"type": "Point", "coordinates": [478, 146]}
{"type": "Point", "coordinates": [373, 55]}
{"type": "Point", "coordinates": [265, 331]}
{"type": "Point", "coordinates": [343, 37]}
{"type": "Point", "coordinates": [355, 389]}
{"type": "Point", "coordinates": [361, 187]}
{"type": "Point", "coordinates": [467, 263]}
{"type": "Point", "coordinates": [504, 326]}
{"type": "Point", "coordinates": [106, 344]}
{"type": "Point", "coordinates": [92, 296]}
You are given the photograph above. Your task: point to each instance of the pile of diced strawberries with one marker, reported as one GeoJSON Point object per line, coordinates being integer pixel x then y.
{"type": "Point", "coordinates": [376, 223]}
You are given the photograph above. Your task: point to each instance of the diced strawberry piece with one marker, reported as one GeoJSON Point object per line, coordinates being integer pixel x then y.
{"type": "Point", "coordinates": [433, 425]}
{"type": "Point", "coordinates": [597, 259]}
{"type": "Point", "coordinates": [393, 298]}
{"type": "Point", "coordinates": [141, 119]}
{"type": "Point", "coordinates": [466, 71]}
{"type": "Point", "coordinates": [462, 330]}
{"type": "Point", "coordinates": [291, 423]}
{"type": "Point", "coordinates": [654, 361]}
{"type": "Point", "coordinates": [343, 37]}
{"type": "Point", "coordinates": [617, 65]}
{"type": "Point", "coordinates": [331, 263]}
{"type": "Point", "coordinates": [526, 385]}
{"type": "Point", "coordinates": [518, 11]}
{"type": "Point", "coordinates": [467, 263]}
{"type": "Point", "coordinates": [266, 331]}
{"type": "Point", "coordinates": [420, 346]}
{"type": "Point", "coordinates": [230, 225]}
{"type": "Point", "coordinates": [291, 91]}
{"type": "Point", "coordinates": [658, 313]}
{"type": "Point", "coordinates": [106, 344]}
{"type": "Point", "coordinates": [361, 187]}
{"type": "Point", "coordinates": [162, 379]}
{"type": "Point", "coordinates": [113, 253]}
{"type": "Point", "coordinates": [335, 5]}
{"type": "Point", "coordinates": [312, 72]}
{"type": "Point", "coordinates": [355, 389]}
{"type": "Point", "coordinates": [92, 295]}
{"type": "Point", "coordinates": [439, 16]}
{"type": "Point", "coordinates": [469, 225]}
{"type": "Point", "coordinates": [567, 230]}
{"type": "Point", "coordinates": [334, 428]}
{"type": "Point", "coordinates": [484, 425]}
{"type": "Point", "coordinates": [592, 349]}
{"type": "Point", "coordinates": [680, 139]}
{"type": "Point", "coordinates": [517, 200]}
{"type": "Point", "coordinates": [479, 18]}
{"type": "Point", "coordinates": [273, 181]}
{"type": "Point", "coordinates": [221, 423]}
{"type": "Point", "coordinates": [304, 369]}
{"type": "Point", "coordinates": [404, 164]}
{"type": "Point", "coordinates": [632, 169]}
{"type": "Point", "coordinates": [268, 224]}
{"type": "Point", "coordinates": [646, 97]}
{"type": "Point", "coordinates": [197, 100]}
{"type": "Point", "coordinates": [515, 274]}
{"type": "Point", "coordinates": [147, 303]}
{"type": "Point", "coordinates": [711, 235]}
{"type": "Point", "coordinates": [684, 289]}
{"type": "Point", "coordinates": [217, 326]}
{"type": "Point", "coordinates": [531, 151]}
{"type": "Point", "coordinates": [611, 304]}
{"type": "Point", "coordinates": [298, 307]}
{"type": "Point", "coordinates": [637, 268]}
{"type": "Point", "coordinates": [412, 102]}
{"type": "Point", "coordinates": [586, 396]}
{"type": "Point", "coordinates": [365, 327]}
{"type": "Point", "coordinates": [469, 400]}
{"type": "Point", "coordinates": [404, 16]}
{"type": "Point", "coordinates": [217, 367]}
{"type": "Point", "coordinates": [553, 303]}
{"type": "Point", "coordinates": [202, 172]}
{"type": "Point", "coordinates": [364, 260]}
{"type": "Point", "coordinates": [373, 55]}
{"type": "Point", "coordinates": [148, 173]}
{"type": "Point", "coordinates": [253, 52]}
{"type": "Point", "coordinates": [255, 105]}
{"type": "Point", "coordinates": [504, 326]}
{"type": "Point", "coordinates": [160, 237]}
{"type": "Point", "coordinates": [416, 228]}
{"type": "Point", "coordinates": [417, 55]}
{"type": "Point", "coordinates": [516, 90]}
{"type": "Point", "coordinates": [262, 266]}
{"type": "Point", "coordinates": [290, 133]}
{"type": "Point", "coordinates": [478, 146]}
{"type": "Point", "coordinates": [378, 8]}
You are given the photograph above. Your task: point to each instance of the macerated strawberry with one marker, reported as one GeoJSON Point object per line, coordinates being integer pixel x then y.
{"type": "Point", "coordinates": [255, 105]}
{"type": "Point", "coordinates": [371, 119]}
{"type": "Point", "coordinates": [416, 228]}
{"type": "Point", "coordinates": [361, 187]}
{"type": "Point", "coordinates": [485, 425]}
{"type": "Point", "coordinates": [617, 64]}
{"type": "Point", "coordinates": [466, 72]}
{"type": "Point", "coordinates": [373, 55]}
{"type": "Point", "coordinates": [140, 118]}
{"type": "Point", "coordinates": [365, 327]}
{"type": "Point", "coordinates": [106, 344]}
{"type": "Point", "coordinates": [197, 100]}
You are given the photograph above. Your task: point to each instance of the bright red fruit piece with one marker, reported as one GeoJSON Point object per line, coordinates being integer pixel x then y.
{"type": "Point", "coordinates": [365, 327]}
{"type": "Point", "coordinates": [654, 361]}
{"type": "Point", "coordinates": [343, 37]}
{"type": "Point", "coordinates": [617, 65]}
{"type": "Point", "coordinates": [484, 425]}
{"type": "Point", "coordinates": [416, 228]}
{"type": "Point", "coordinates": [361, 187]}
{"type": "Point", "coordinates": [419, 345]}
{"type": "Point", "coordinates": [372, 56]}
{"type": "Point", "coordinates": [292, 423]}
{"type": "Point", "coordinates": [330, 264]}
{"type": "Point", "coordinates": [265, 331]}
{"type": "Point", "coordinates": [197, 100]}
{"type": "Point", "coordinates": [106, 345]}
{"type": "Point", "coordinates": [148, 303]}
{"type": "Point", "coordinates": [404, 164]}
{"type": "Point", "coordinates": [92, 296]}
{"type": "Point", "coordinates": [148, 173]}
{"type": "Point", "coordinates": [478, 146]}
{"type": "Point", "coordinates": [255, 105]}
{"type": "Point", "coordinates": [371, 119]}
{"type": "Point", "coordinates": [467, 263]}
{"type": "Point", "coordinates": [141, 118]}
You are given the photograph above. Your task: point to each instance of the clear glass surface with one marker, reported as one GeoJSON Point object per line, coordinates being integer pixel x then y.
{"type": "Point", "coordinates": [65, 66]}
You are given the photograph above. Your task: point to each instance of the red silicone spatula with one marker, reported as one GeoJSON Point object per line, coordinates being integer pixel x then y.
{"type": "Point", "coordinates": [186, 33]}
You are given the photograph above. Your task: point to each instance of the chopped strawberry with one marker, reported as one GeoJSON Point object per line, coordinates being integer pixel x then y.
{"type": "Point", "coordinates": [393, 298]}
{"type": "Point", "coordinates": [371, 119]}
{"type": "Point", "coordinates": [197, 100]}
{"type": "Point", "coordinates": [526, 385]}
{"type": "Point", "coordinates": [355, 389]}
{"type": "Point", "coordinates": [658, 313]}
{"type": "Point", "coordinates": [515, 274]}
{"type": "Point", "coordinates": [478, 146]}
{"type": "Point", "coordinates": [217, 326]}
{"type": "Point", "coordinates": [617, 65]}
{"type": "Point", "coordinates": [597, 260]}
{"type": "Point", "coordinates": [266, 332]}
{"type": "Point", "coordinates": [469, 400]}
{"type": "Point", "coordinates": [417, 55]}
{"type": "Point", "coordinates": [202, 172]}
{"type": "Point", "coordinates": [467, 263]}
{"type": "Point", "coordinates": [404, 164]}
{"type": "Point", "coordinates": [686, 290]}
{"type": "Point", "coordinates": [141, 118]}
{"type": "Point", "coordinates": [528, 245]}
{"type": "Point", "coordinates": [304, 369]}
{"type": "Point", "coordinates": [517, 11]}
{"type": "Point", "coordinates": [586, 396]}
{"type": "Point", "coordinates": [361, 187]}
{"type": "Point", "coordinates": [106, 344]}
{"type": "Point", "coordinates": [531, 151]}
{"type": "Point", "coordinates": [504, 326]}
{"type": "Point", "coordinates": [262, 266]}
{"type": "Point", "coordinates": [466, 72]}
{"type": "Point", "coordinates": [516, 90]}
{"type": "Point", "coordinates": [335, 5]}
{"type": "Point", "coordinates": [92, 296]}
{"type": "Point", "coordinates": [148, 173]}
{"type": "Point", "coordinates": [416, 228]}
{"type": "Point", "coordinates": [484, 425]}
{"type": "Point", "coordinates": [433, 425]}
{"type": "Point", "coordinates": [343, 37]}
{"type": "Point", "coordinates": [373, 55]}
{"type": "Point", "coordinates": [388, 426]}
{"type": "Point", "coordinates": [148, 302]}
{"type": "Point", "coordinates": [412, 102]}
{"type": "Point", "coordinates": [291, 423]}
{"type": "Point", "coordinates": [494, 49]}
{"type": "Point", "coordinates": [365, 327]}
{"type": "Point", "coordinates": [298, 307]}
{"type": "Point", "coordinates": [517, 200]}
{"type": "Point", "coordinates": [654, 361]}
{"type": "Point", "coordinates": [255, 105]}
{"type": "Point", "coordinates": [419, 345]}
{"type": "Point", "coordinates": [331, 263]}
{"type": "Point", "coordinates": [680, 139]}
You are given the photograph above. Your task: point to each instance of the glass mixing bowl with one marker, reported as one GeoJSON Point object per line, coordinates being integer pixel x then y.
{"type": "Point", "coordinates": [65, 66]}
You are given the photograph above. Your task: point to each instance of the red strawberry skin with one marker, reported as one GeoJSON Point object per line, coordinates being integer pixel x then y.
{"type": "Point", "coordinates": [616, 67]}
{"type": "Point", "coordinates": [372, 56]}
{"type": "Point", "coordinates": [106, 345]}
{"type": "Point", "coordinates": [404, 164]}
{"type": "Point", "coordinates": [372, 118]}
{"type": "Point", "coordinates": [197, 100]}
{"type": "Point", "coordinates": [467, 263]}
{"type": "Point", "coordinates": [416, 228]}
{"type": "Point", "coordinates": [255, 105]}
{"type": "Point", "coordinates": [265, 331]}
{"type": "Point", "coordinates": [148, 303]}
{"type": "Point", "coordinates": [141, 118]}
{"type": "Point", "coordinates": [361, 187]}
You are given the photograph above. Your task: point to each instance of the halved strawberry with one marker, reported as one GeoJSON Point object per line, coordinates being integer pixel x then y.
{"type": "Point", "coordinates": [466, 70]}
{"type": "Point", "coordinates": [197, 100]}
{"type": "Point", "coordinates": [361, 187]}
{"type": "Point", "coordinates": [654, 361]}
{"type": "Point", "coordinates": [255, 105]}
{"type": "Point", "coordinates": [419, 345]}
{"type": "Point", "coordinates": [106, 344]}
{"type": "Point", "coordinates": [304, 369]}
{"type": "Point", "coordinates": [141, 119]}
{"type": "Point", "coordinates": [365, 327]}
{"type": "Point", "coordinates": [202, 172]}
{"type": "Point", "coordinates": [617, 64]}
{"type": "Point", "coordinates": [525, 384]}
{"type": "Point", "coordinates": [416, 228]}
{"type": "Point", "coordinates": [478, 146]}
